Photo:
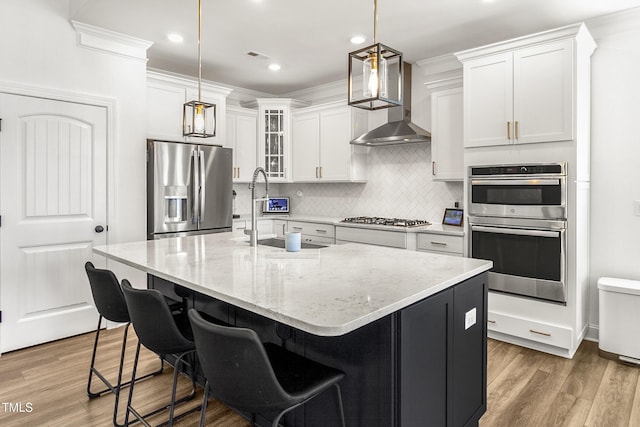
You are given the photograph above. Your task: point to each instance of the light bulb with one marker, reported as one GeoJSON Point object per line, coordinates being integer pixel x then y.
{"type": "Point", "coordinates": [198, 120]}
{"type": "Point", "coordinates": [372, 86]}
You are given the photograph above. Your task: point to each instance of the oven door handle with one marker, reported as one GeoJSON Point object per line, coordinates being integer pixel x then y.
{"type": "Point", "coordinates": [517, 231]}
{"type": "Point", "coordinates": [544, 181]}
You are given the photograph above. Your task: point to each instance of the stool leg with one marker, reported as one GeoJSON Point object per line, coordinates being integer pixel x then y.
{"type": "Point", "coordinates": [205, 401]}
{"type": "Point", "coordinates": [340, 407]}
{"type": "Point", "coordinates": [93, 362]}
{"type": "Point", "coordinates": [133, 376]}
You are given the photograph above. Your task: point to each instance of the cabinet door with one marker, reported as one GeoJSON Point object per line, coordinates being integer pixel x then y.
{"type": "Point", "coordinates": [305, 137]}
{"type": "Point", "coordinates": [468, 361]}
{"type": "Point", "coordinates": [446, 135]}
{"type": "Point", "coordinates": [488, 100]}
{"type": "Point", "coordinates": [245, 152]}
{"type": "Point", "coordinates": [164, 106]}
{"type": "Point", "coordinates": [335, 149]}
{"type": "Point", "coordinates": [424, 353]}
{"type": "Point", "coordinates": [543, 92]}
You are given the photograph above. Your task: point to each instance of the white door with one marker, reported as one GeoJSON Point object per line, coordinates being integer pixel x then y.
{"type": "Point", "coordinates": [52, 198]}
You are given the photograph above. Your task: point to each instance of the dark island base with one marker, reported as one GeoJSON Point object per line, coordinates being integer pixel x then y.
{"type": "Point", "coordinates": [419, 366]}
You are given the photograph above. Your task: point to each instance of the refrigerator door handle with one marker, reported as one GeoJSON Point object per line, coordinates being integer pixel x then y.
{"type": "Point", "coordinates": [202, 188]}
{"type": "Point", "coordinates": [195, 185]}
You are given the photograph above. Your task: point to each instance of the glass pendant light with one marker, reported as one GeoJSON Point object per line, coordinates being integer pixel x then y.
{"type": "Point", "coordinates": [375, 74]}
{"type": "Point", "coordinates": [199, 118]}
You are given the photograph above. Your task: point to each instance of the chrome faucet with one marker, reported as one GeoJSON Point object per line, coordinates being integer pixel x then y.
{"type": "Point", "coordinates": [253, 233]}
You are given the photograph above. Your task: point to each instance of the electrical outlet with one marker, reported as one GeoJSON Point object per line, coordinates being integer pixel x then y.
{"type": "Point", "coordinates": [469, 318]}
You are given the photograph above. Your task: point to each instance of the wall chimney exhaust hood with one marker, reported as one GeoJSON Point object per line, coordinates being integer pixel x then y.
{"type": "Point", "coordinates": [399, 129]}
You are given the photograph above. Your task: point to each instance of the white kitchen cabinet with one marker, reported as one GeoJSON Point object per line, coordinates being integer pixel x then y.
{"type": "Point", "coordinates": [522, 92]}
{"type": "Point", "coordinates": [279, 227]}
{"type": "Point", "coordinates": [372, 236]}
{"type": "Point", "coordinates": [446, 135]}
{"type": "Point", "coordinates": [313, 232]}
{"type": "Point", "coordinates": [242, 137]}
{"type": "Point", "coordinates": [166, 96]}
{"type": "Point", "coordinates": [265, 226]}
{"type": "Point", "coordinates": [274, 136]}
{"type": "Point", "coordinates": [440, 243]}
{"type": "Point", "coordinates": [321, 149]}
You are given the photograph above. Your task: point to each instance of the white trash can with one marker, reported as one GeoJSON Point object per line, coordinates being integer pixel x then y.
{"type": "Point", "coordinates": [620, 318]}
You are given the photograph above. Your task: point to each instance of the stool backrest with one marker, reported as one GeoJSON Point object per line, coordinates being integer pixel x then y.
{"type": "Point", "coordinates": [237, 366]}
{"type": "Point", "coordinates": [107, 294]}
{"type": "Point", "coordinates": [153, 322]}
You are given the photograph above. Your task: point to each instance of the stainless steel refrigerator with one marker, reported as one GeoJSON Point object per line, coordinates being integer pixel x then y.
{"type": "Point", "coordinates": [189, 189]}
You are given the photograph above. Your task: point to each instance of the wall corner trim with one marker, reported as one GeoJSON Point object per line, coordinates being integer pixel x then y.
{"type": "Point", "coordinates": [108, 41]}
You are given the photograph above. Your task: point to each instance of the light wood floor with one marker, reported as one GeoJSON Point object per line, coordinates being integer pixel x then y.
{"type": "Point", "coordinates": [525, 387]}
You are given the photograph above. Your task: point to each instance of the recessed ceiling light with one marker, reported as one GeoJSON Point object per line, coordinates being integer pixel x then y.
{"type": "Point", "coordinates": [357, 39]}
{"type": "Point", "coordinates": [175, 37]}
{"type": "Point", "coordinates": [274, 67]}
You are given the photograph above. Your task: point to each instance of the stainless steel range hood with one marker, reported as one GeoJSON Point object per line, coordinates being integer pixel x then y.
{"type": "Point", "coordinates": [399, 129]}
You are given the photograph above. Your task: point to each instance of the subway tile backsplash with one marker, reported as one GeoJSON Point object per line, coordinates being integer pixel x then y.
{"type": "Point", "coordinates": [399, 184]}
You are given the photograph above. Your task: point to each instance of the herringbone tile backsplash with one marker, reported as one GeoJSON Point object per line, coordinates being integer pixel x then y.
{"type": "Point", "coordinates": [399, 184]}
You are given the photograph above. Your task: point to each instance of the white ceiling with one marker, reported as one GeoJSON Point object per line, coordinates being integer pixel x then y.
{"type": "Point", "coordinates": [310, 39]}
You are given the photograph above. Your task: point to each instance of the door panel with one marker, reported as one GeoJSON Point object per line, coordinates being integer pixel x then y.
{"type": "Point", "coordinates": [216, 201]}
{"type": "Point", "coordinates": [52, 196]}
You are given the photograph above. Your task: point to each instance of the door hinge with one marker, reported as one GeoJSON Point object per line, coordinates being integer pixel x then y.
{"type": "Point", "coordinates": [0, 125]}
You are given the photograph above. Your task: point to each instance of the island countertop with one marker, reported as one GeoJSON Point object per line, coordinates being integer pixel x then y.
{"type": "Point", "coordinates": [328, 292]}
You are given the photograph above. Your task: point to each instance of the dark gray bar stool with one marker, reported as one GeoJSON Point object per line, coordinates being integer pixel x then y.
{"type": "Point", "coordinates": [254, 377]}
{"type": "Point", "coordinates": [162, 332]}
{"type": "Point", "coordinates": [111, 305]}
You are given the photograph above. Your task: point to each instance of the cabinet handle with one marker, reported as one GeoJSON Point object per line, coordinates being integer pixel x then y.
{"type": "Point", "coordinates": [508, 130]}
{"type": "Point", "coordinates": [283, 230]}
{"type": "Point", "coordinates": [433, 168]}
{"type": "Point", "coordinates": [238, 172]}
{"type": "Point", "coordinates": [491, 321]}
{"type": "Point", "coordinates": [321, 231]}
{"type": "Point", "coordinates": [316, 172]}
{"type": "Point", "coordinates": [517, 136]}
{"type": "Point", "coordinates": [320, 171]}
{"type": "Point", "coordinates": [297, 228]}
{"type": "Point", "coordinates": [539, 333]}
{"type": "Point", "coordinates": [438, 243]}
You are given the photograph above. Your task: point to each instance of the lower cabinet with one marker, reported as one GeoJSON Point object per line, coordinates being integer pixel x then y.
{"type": "Point", "coordinates": [442, 357]}
{"type": "Point", "coordinates": [440, 243]}
{"type": "Point", "coordinates": [313, 232]}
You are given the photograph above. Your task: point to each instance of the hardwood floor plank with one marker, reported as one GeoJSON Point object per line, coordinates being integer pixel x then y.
{"type": "Point", "coordinates": [614, 399]}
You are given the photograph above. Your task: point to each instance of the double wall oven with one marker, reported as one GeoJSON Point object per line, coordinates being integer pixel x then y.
{"type": "Point", "coordinates": [518, 220]}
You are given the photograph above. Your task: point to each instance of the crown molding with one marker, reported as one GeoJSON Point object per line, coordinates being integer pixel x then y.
{"type": "Point", "coordinates": [96, 38]}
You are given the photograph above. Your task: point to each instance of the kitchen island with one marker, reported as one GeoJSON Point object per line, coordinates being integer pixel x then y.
{"type": "Point", "coordinates": [408, 328]}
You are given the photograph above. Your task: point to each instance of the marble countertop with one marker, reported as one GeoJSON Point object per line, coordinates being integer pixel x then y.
{"type": "Point", "coordinates": [328, 292]}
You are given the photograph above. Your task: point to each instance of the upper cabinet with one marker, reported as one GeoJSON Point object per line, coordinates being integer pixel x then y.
{"type": "Point", "coordinates": [321, 149]}
{"type": "Point", "coordinates": [446, 135]}
{"type": "Point", "coordinates": [166, 96]}
{"type": "Point", "coordinates": [274, 134]}
{"type": "Point", "coordinates": [524, 90]}
{"type": "Point", "coordinates": [242, 137]}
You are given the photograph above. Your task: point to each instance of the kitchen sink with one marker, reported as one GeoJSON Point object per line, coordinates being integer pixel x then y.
{"type": "Point", "coordinates": [279, 243]}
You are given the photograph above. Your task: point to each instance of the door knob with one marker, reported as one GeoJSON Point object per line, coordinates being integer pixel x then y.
{"type": "Point", "coordinates": [99, 229]}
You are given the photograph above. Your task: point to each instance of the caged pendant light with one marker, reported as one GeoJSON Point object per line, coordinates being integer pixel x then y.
{"type": "Point", "coordinates": [199, 118]}
{"type": "Point", "coordinates": [375, 74]}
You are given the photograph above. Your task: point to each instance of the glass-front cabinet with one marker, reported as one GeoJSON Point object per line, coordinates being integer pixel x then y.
{"type": "Point", "coordinates": [274, 147]}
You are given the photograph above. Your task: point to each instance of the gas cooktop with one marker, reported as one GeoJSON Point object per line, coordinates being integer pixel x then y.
{"type": "Point", "coordinates": [395, 222]}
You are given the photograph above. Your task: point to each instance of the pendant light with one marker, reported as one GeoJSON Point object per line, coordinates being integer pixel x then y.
{"type": "Point", "coordinates": [375, 74]}
{"type": "Point", "coordinates": [199, 118]}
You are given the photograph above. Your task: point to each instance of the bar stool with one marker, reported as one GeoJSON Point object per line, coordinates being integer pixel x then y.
{"type": "Point", "coordinates": [111, 305]}
{"type": "Point", "coordinates": [254, 377]}
{"type": "Point", "coordinates": [164, 333]}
